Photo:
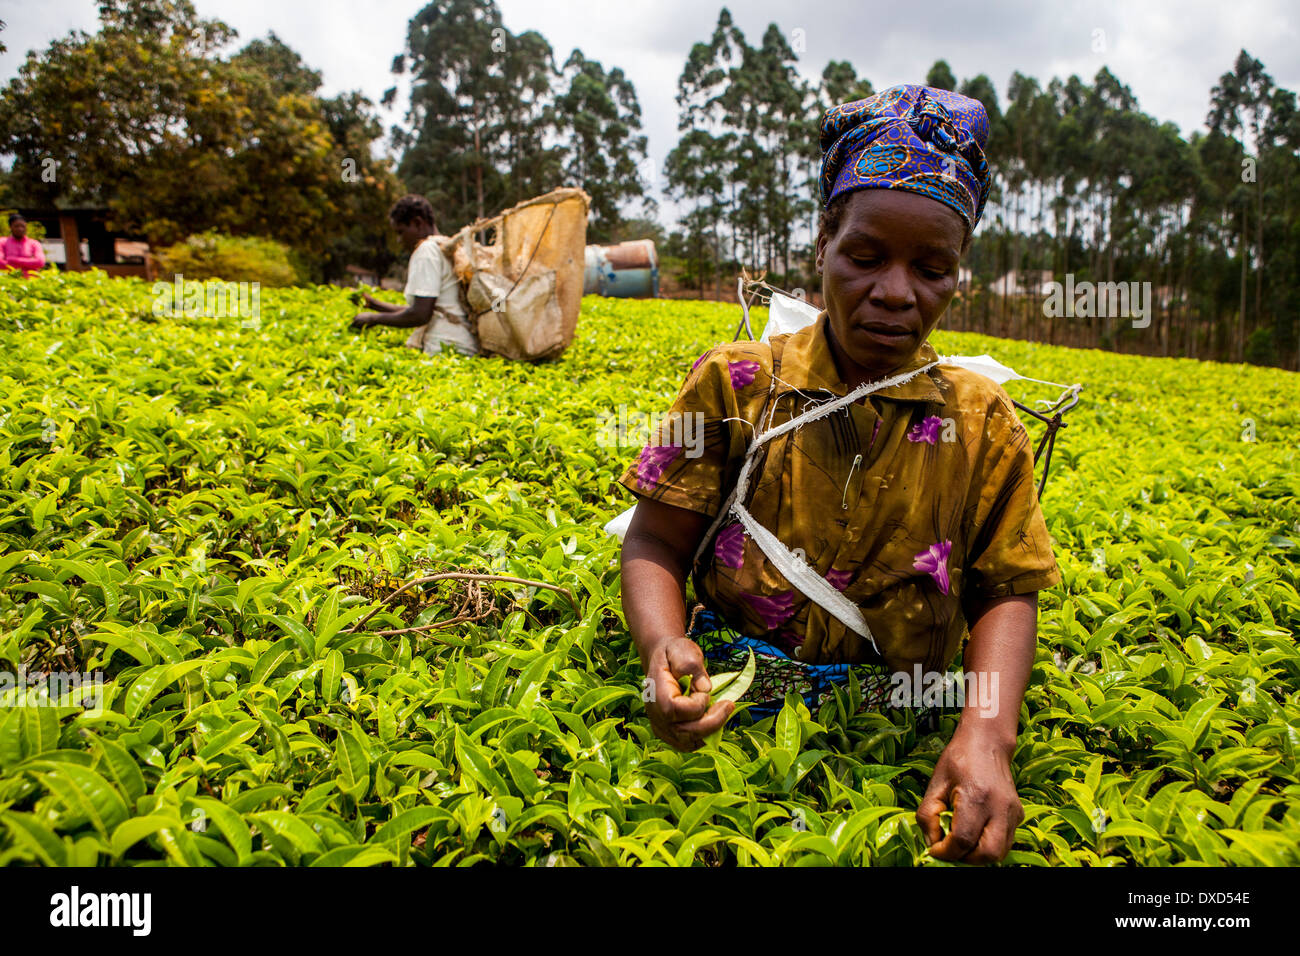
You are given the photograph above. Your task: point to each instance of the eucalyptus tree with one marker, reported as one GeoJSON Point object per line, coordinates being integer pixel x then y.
{"type": "Point", "coordinates": [1240, 103]}
{"type": "Point", "coordinates": [492, 120]}
{"type": "Point", "coordinates": [605, 152]}
{"type": "Point", "coordinates": [479, 112]}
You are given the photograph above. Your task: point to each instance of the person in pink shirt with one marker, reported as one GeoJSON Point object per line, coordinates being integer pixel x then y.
{"type": "Point", "coordinates": [19, 252]}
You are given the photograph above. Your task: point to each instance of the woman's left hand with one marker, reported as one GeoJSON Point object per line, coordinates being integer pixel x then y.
{"type": "Point", "coordinates": [973, 779]}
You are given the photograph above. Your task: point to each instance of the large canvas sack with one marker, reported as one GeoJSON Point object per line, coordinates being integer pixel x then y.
{"type": "Point", "coordinates": [528, 323]}
{"type": "Point", "coordinates": [523, 288]}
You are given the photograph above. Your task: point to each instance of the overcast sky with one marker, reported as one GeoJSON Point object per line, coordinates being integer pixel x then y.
{"type": "Point", "coordinates": [1168, 52]}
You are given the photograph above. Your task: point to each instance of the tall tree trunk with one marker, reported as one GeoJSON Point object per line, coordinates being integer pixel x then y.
{"type": "Point", "coordinates": [1259, 245]}
{"type": "Point", "coordinates": [478, 165]}
{"type": "Point", "coordinates": [1015, 264]}
{"type": "Point", "coordinates": [1006, 284]}
{"type": "Point", "coordinates": [1108, 323]}
{"type": "Point", "coordinates": [1185, 305]}
{"type": "Point", "coordinates": [1096, 266]}
{"type": "Point", "coordinates": [699, 259]}
{"type": "Point", "coordinates": [1165, 269]}
{"type": "Point", "coordinates": [1238, 346]}
{"type": "Point", "coordinates": [717, 264]}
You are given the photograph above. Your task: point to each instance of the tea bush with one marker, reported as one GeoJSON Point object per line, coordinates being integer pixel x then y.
{"type": "Point", "coordinates": [205, 513]}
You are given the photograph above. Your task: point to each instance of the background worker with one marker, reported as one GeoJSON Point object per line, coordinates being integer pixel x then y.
{"type": "Point", "coordinates": [17, 251]}
{"type": "Point", "coordinates": [432, 291]}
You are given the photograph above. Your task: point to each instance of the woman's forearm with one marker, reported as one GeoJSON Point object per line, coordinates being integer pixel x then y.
{"type": "Point", "coordinates": [654, 593]}
{"type": "Point", "coordinates": [404, 318]}
{"type": "Point", "coordinates": [379, 305]}
{"type": "Point", "coordinates": [1000, 655]}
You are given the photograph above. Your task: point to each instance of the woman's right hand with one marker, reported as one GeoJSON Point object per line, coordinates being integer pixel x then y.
{"type": "Point", "coordinates": [657, 551]}
{"type": "Point", "coordinates": [681, 720]}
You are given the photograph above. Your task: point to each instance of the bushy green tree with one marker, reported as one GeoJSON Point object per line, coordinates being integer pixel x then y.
{"type": "Point", "coordinates": [147, 117]}
{"type": "Point", "coordinates": [212, 255]}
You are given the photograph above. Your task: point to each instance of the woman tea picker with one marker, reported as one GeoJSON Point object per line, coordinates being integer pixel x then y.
{"type": "Point", "coordinates": [915, 504]}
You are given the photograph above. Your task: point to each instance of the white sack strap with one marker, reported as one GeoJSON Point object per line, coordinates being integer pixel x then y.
{"type": "Point", "coordinates": [797, 572]}
{"type": "Point", "coordinates": [813, 585]}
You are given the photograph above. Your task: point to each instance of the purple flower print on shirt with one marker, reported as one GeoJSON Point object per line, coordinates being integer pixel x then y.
{"type": "Point", "coordinates": [934, 562]}
{"type": "Point", "coordinates": [729, 548]}
{"type": "Point", "coordinates": [742, 373]}
{"type": "Point", "coordinates": [774, 610]}
{"type": "Point", "coordinates": [839, 580]}
{"type": "Point", "coordinates": [654, 458]}
{"type": "Point", "coordinates": [701, 359]}
{"type": "Point", "coordinates": [927, 431]}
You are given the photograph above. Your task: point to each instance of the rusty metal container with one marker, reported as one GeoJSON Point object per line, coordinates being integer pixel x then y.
{"type": "Point", "coordinates": [627, 270]}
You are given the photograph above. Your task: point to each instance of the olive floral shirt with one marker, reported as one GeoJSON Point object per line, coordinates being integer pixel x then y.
{"type": "Point", "coordinates": [915, 502]}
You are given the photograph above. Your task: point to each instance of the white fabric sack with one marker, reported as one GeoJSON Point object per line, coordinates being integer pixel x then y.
{"type": "Point", "coordinates": [985, 365]}
{"type": "Point", "coordinates": [618, 526]}
{"type": "Point", "coordinates": [788, 314]}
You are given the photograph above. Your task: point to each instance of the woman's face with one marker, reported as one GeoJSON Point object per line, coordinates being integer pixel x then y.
{"type": "Point", "coordinates": [18, 228]}
{"type": "Point", "coordinates": [888, 273]}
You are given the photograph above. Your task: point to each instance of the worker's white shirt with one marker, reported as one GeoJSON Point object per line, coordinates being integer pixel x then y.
{"type": "Point", "coordinates": [430, 274]}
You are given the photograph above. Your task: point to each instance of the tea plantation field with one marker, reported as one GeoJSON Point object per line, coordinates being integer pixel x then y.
{"type": "Point", "coordinates": [207, 514]}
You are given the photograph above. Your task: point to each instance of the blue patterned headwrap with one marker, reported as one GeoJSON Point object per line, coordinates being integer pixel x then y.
{"type": "Point", "coordinates": [918, 138]}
